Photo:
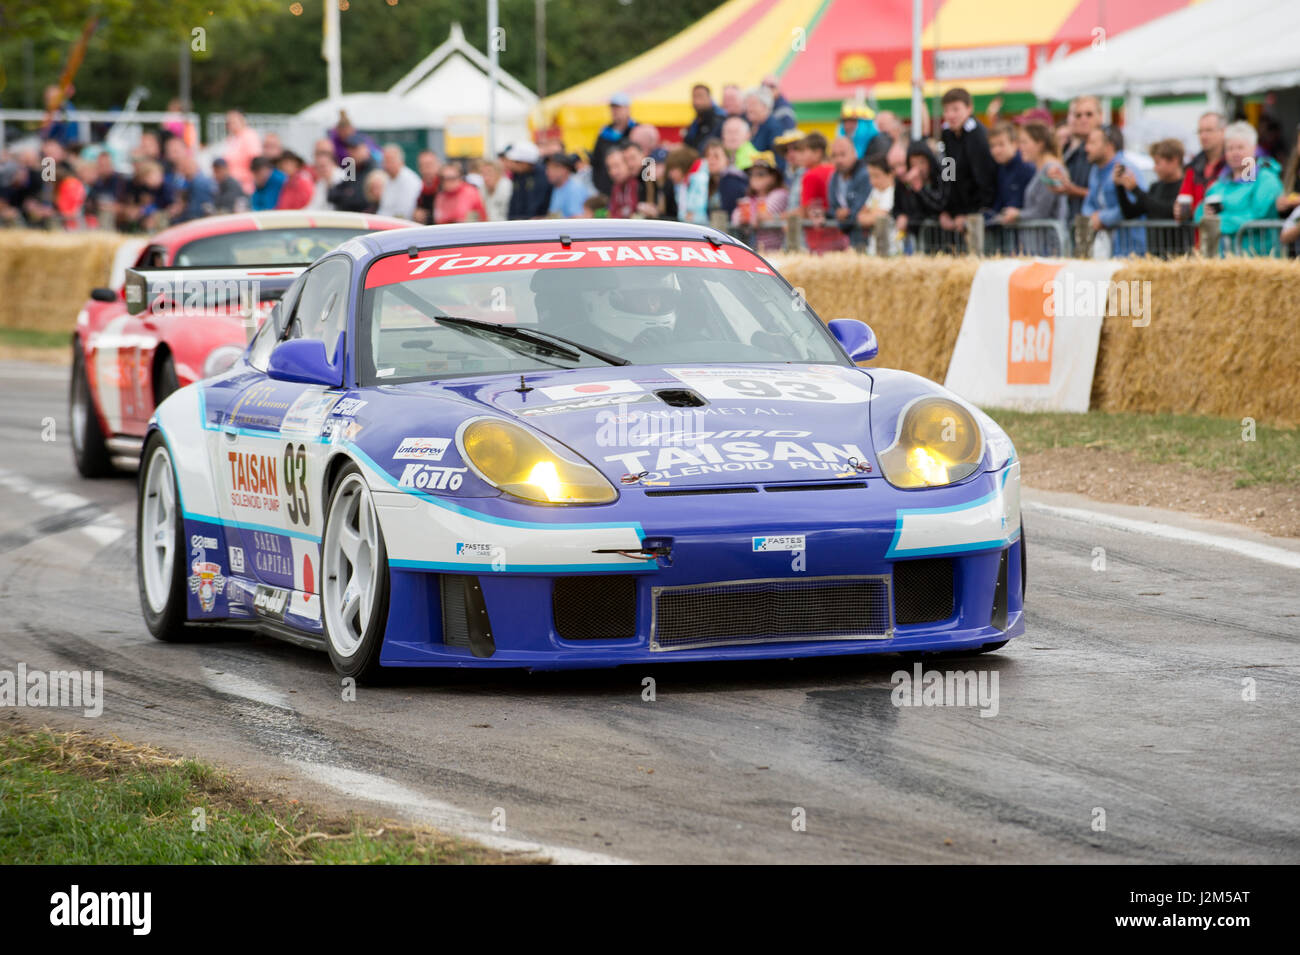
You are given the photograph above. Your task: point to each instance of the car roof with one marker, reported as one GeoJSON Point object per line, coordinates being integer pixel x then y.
{"type": "Point", "coordinates": [186, 232]}
{"type": "Point", "coordinates": [538, 230]}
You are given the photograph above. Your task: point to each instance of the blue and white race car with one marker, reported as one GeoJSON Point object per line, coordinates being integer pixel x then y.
{"type": "Point", "coordinates": [573, 444]}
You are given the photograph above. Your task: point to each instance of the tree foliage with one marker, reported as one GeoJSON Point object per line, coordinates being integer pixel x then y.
{"type": "Point", "coordinates": [260, 56]}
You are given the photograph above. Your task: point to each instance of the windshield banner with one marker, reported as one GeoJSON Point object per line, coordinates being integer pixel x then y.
{"type": "Point", "coordinates": [478, 259]}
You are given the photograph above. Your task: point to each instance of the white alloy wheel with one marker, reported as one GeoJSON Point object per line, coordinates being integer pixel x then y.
{"type": "Point", "coordinates": [158, 519]}
{"type": "Point", "coordinates": [350, 562]}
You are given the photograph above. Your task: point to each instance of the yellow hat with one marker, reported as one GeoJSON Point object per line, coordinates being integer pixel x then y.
{"type": "Point", "coordinates": [852, 110]}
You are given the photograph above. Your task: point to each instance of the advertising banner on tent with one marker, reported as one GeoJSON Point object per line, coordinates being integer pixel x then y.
{"type": "Point", "coordinates": [1029, 337]}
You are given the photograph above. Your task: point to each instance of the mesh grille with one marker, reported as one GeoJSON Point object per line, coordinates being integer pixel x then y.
{"type": "Point", "coordinates": [601, 607]}
{"type": "Point", "coordinates": [923, 591]}
{"type": "Point", "coordinates": [771, 611]}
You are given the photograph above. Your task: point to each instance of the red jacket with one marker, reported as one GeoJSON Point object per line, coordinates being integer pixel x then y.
{"type": "Point", "coordinates": [623, 197]}
{"type": "Point", "coordinates": [297, 191]}
{"type": "Point", "coordinates": [1199, 176]}
{"type": "Point", "coordinates": [816, 181]}
{"type": "Point", "coordinates": [458, 205]}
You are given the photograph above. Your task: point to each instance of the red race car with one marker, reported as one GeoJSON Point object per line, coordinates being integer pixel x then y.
{"type": "Point", "coordinates": [124, 365]}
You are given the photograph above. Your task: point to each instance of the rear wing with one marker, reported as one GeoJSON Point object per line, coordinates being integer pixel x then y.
{"type": "Point", "coordinates": [201, 289]}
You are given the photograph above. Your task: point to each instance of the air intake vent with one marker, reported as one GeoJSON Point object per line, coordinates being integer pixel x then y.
{"type": "Point", "coordinates": [833, 486]}
{"type": "Point", "coordinates": [771, 611]}
{"type": "Point", "coordinates": [681, 398]}
{"type": "Point", "coordinates": [923, 590]}
{"type": "Point", "coordinates": [597, 607]}
{"type": "Point", "coordinates": [683, 491]}
{"type": "Point", "coordinates": [464, 615]}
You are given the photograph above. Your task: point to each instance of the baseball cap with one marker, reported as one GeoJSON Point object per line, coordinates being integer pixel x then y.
{"type": "Point", "coordinates": [523, 152]}
{"type": "Point", "coordinates": [619, 99]}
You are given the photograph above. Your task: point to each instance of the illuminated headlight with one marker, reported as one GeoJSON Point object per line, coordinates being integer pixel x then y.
{"type": "Point", "coordinates": [219, 359]}
{"type": "Point", "coordinates": [938, 441]}
{"type": "Point", "coordinates": [524, 465]}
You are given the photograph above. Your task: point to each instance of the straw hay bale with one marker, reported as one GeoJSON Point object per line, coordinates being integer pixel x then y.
{"type": "Point", "coordinates": [45, 277]}
{"type": "Point", "coordinates": [1224, 340]}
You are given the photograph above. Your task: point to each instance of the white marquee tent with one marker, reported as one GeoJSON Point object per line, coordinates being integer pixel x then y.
{"type": "Point", "coordinates": [371, 111]}
{"type": "Point", "coordinates": [1237, 46]}
{"type": "Point", "coordinates": [452, 82]}
{"type": "Point", "coordinates": [447, 91]}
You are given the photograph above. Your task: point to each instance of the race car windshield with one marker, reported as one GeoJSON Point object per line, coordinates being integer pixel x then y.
{"type": "Point", "coordinates": [263, 247]}
{"type": "Point", "coordinates": [650, 313]}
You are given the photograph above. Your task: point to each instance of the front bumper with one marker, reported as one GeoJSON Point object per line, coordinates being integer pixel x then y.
{"type": "Point", "coordinates": [506, 588]}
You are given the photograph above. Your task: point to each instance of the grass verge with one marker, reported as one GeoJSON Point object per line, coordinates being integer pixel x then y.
{"type": "Point", "coordinates": [1214, 444]}
{"type": "Point", "coordinates": [33, 338]}
{"type": "Point", "coordinates": [67, 798]}
{"type": "Point", "coordinates": [26, 344]}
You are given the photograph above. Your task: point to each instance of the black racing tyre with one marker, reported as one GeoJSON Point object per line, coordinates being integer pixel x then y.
{"type": "Point", "coordinates": [89, 450]}
{"type": "Point", "coordinates": [161, 557]}
{"type": "Point", "coordinates": [354, 579]}
{"type": "Point", "coordinates": [1024, 563]}
{"type": "Point", "coordinates": [165, 381]}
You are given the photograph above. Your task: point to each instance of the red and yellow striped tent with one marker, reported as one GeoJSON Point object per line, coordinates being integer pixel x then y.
{"type": "Point", "coordinates": [827, 51]}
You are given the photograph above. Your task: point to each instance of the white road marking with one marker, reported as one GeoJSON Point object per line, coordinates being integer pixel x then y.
{"type": "Point", "coordinates": [106, 528]}
{"type": "Point", "coordinates": [1246, 548]}
{"type": "Point", "coordinates": [234, 685]}
{"type": "Point", "coordinates": [440, 815]}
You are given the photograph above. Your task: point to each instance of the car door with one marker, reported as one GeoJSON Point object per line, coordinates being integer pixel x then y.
{"type": "Point", "coordinates": [273, 454]}
{"type": "Point", "coordinates": [120, 372]}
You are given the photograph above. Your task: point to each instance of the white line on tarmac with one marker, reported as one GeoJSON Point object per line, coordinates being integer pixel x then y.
{"type": "Point", "coordinates": [103, 530]}
{"type": "Point", "coordinates": [440, 815]}
{"type": "Point", "coordinates": [234, 685]}
{"type": "Point", "coordinates": [1246, 548]}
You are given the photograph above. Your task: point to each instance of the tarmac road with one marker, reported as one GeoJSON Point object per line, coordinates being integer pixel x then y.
{"type": "Point", "coordinates": [1125, 696]}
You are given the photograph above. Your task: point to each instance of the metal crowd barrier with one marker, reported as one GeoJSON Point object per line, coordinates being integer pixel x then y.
{"type": "Point", "coordinates": [1161, 238]}
{"type": "Point", "coordinates": [1039, 237]}
{"type": "Point", "coordinates": [1262, 238]}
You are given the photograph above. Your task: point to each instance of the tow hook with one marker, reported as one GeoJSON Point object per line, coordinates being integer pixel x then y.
{"type": "Point", "coordinates": [652, 548]}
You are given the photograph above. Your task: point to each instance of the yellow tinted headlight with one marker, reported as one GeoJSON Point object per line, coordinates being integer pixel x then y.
{"type": "Point", "coordinates": [520, 463]}
{"type": "Point", "coordinates": [938, 442]}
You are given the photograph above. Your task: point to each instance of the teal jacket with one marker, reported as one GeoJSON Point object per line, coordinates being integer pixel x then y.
{"type": "Point", "coordinates": [1244, 200]}
{"type": "Point", "coordinates": [693, 195]}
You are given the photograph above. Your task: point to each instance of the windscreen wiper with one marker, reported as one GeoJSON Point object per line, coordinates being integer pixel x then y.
{"type": "Point", "coordinates": [538, 337]}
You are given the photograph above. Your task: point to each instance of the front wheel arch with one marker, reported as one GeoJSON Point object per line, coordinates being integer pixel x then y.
{"type": "Point", "coordinates": [163, 379]}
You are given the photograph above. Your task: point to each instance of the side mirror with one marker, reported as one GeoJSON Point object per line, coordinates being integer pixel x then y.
{"type": "Point", "coordinates": [856, 337]}
{"type": "Point", "coordinates": [303, 360]}
{"type": "Point", "coordinates": [103, 295]}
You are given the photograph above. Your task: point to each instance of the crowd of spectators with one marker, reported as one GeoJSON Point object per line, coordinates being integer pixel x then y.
{"type": "Point", "coordinates": [742, 163]}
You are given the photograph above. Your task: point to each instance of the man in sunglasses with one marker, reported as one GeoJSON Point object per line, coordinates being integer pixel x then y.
{"type": "Point", "coordinates": [1085, 116]}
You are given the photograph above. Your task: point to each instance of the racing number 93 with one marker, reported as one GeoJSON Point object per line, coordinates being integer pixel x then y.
{"type": "Point", "coordinates": [295, 462]}
{"type": "Point", "coordinates": [802, 390]}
